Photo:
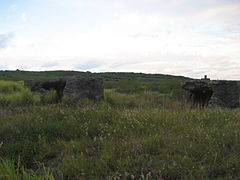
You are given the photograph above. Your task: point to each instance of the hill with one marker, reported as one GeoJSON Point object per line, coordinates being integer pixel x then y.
{"type": "Point", "coordinates": [24, 75]}
{"type": "Point", "coordinates": [123, 82]}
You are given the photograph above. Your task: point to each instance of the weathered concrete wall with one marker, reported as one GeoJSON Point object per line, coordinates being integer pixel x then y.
{"type": "Point", "coordinates": [209, 93]}
{"type": "Point", "coordinates": [78, 88]}
{"type": "Point", "coordinates": [75, 88]}
{"type": "Point", "coordinates": [225, 94]}
{"type": "Point", "coordinates": [41, 87]}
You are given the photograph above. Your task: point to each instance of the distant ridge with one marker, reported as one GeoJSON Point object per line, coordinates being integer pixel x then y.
{"type": "Point", "coordinates": [108, 76]}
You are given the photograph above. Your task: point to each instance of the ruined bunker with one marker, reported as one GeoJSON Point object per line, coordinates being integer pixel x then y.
{"type": "Point", "coordinates": [75, 88]}
{"type": "Point", "coordinates": [212, 93]}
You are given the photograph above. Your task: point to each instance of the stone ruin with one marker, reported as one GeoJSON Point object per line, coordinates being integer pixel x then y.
{"type": "Point", "coordinates": [75, 88]}
{"type": "Point", "coordinates": [212, 93]}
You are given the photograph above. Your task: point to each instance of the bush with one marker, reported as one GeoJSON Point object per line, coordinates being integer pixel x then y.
{"type": "Point", "coordinates": [15, 94]}
{"type": "Point", "coordinates": [9, 87]}
{"type": "Point", "coordinates": [65, 100]}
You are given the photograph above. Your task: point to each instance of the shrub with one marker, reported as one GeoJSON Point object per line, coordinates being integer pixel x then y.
{"type": "Point", "coordinates": [65, 100]}
{"type": "Point", "coordinates": [21, 97]}
{"type": "Point", "coordinates": [9, 87]}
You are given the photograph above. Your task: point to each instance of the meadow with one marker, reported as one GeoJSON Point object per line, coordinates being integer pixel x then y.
{"type": "Point", "coordinates": [142, 135]}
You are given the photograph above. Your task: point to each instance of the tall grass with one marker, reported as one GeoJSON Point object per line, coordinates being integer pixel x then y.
{"type": "Point", "coordinates": [144, 100]}
{"type": "Point", "coordinates": [15, 94]}
{"type": "Point", "coordinates": [100, 141]}
{"type": "Point", "coordinates": [14, 171]}
{"type": "Point", "coordinates": [138, 136]}
{"type": "Point", "coordinates": [8, 87]}
{"type": "Point", "coordinates": [50, 97]}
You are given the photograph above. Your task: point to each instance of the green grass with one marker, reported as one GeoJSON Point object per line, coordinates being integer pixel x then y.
{"type": "Point", "coordinates": [144, 135]}
{"type": "Point", "coordinates": [23, 97]}
{"type": "Point", "coordinates": [143, 100]}
{"type": "Point", "coordinates": [9, 87]}
{"type": "Point", "coordinates": [105, 141]}
{"type": "Point", "coordinates": [128, 83]}
{"type": "Point", "coordinates": [50, 97]}
{"type": "Point", "coordinates": [106, 76]}
{"type": "Point", "coordinates": [15, 94]}
{"type": "Point", "coordinates": [12, 171]}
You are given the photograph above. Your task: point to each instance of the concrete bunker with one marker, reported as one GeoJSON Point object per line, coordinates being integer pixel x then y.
{"type": "Point", "coordinates": [75, 88]}
{"type": "Point", "coordinates": [42, 87]}
{"type": "Point", "coordinates": [200, 96]}
{"type": "Point", "coordinates": [212, 93]}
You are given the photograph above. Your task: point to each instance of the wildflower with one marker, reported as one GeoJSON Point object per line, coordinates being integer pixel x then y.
{"type": "Point", "coordinates": [1, 143]}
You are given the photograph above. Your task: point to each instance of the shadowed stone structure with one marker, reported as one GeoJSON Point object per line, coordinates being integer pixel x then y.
{"type": "Point", "coordinates": [217, 93]}
{"type": "Point", "coordinates": [75, 88]}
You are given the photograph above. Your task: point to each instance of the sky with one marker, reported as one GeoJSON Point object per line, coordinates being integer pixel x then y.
{"type": "Point", "coordinates": [178, 37]}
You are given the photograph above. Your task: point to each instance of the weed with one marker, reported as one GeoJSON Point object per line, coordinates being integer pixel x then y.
{"type": "Point", "coordinates": [50, 97]}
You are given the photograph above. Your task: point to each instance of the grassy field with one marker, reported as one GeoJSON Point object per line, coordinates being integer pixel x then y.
{"type": "Point", "coordinates": [146, 135]}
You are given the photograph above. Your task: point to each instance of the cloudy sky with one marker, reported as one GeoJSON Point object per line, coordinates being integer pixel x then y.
{"type": "Point", "coordinates": [178, 37]}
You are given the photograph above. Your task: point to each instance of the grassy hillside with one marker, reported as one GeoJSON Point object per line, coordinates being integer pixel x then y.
{"type": "Point", "coordinates": [129, 83]}
{"type": "Point", "coordinates": [24, 75]}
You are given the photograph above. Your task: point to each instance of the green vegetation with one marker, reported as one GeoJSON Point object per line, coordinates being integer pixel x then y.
{"type": "Point", "coordinates": [108, 76]}
{"type": "Point", "coordinates": [170, 88]}
{"type": "Point", "coordinates": [143, 135]}
{"type": "Point", "coordinates": [9, 87]}
{"type": "Point", "coordinates": [129, 83]}
{"type": "Point", "coordinates": [10, 170]}
{"type": "Point", "coordinates": [123, 139]}
{"type": "Point", "coordinates": [50, 97]}
{"type": "Point", "coordinates": [144, 100]}
{"type": "Point", "coordinates": [14, 94]}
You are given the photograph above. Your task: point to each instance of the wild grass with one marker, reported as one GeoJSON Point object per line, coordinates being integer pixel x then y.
{"type": "Point", "coordinates": [15, 94]}
{"type": "Point", "coordinates": [50, 97]}
{"type": "Point", "coordinates": [125, 136]}
{"type": "Point", "coordinates": [9, 170]}
{"type": "Point", "coordinates": [103, 141]}
{"type": "Point", "coordinates": [144, 100]}
{"type": "Point", "coordinates": [8, 87]}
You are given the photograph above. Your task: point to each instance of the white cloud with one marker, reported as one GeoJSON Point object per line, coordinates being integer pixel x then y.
{"type": "Point", "coordinates": [156, 36]}
{"type": "Point", "coordinates": [24, 16]}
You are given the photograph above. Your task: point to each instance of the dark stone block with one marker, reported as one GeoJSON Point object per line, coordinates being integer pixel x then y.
{"type": "Point", "coordinates": [75, 88]}
{"type": "Point", "coordinates": [205, 93]}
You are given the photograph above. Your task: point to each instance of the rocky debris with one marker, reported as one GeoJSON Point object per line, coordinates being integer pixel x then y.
{"type": "Point", "coordinates": [209, 93]}
{"type": "Point", "coordinates": [75, 88]}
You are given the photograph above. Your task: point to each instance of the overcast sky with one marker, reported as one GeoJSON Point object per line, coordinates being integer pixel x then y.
{"type": "Point", "coordinates": [179, 37]}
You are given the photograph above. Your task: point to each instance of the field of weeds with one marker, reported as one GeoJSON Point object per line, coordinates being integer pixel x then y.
{"type": "Point", "coordinates": [137, 136]}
